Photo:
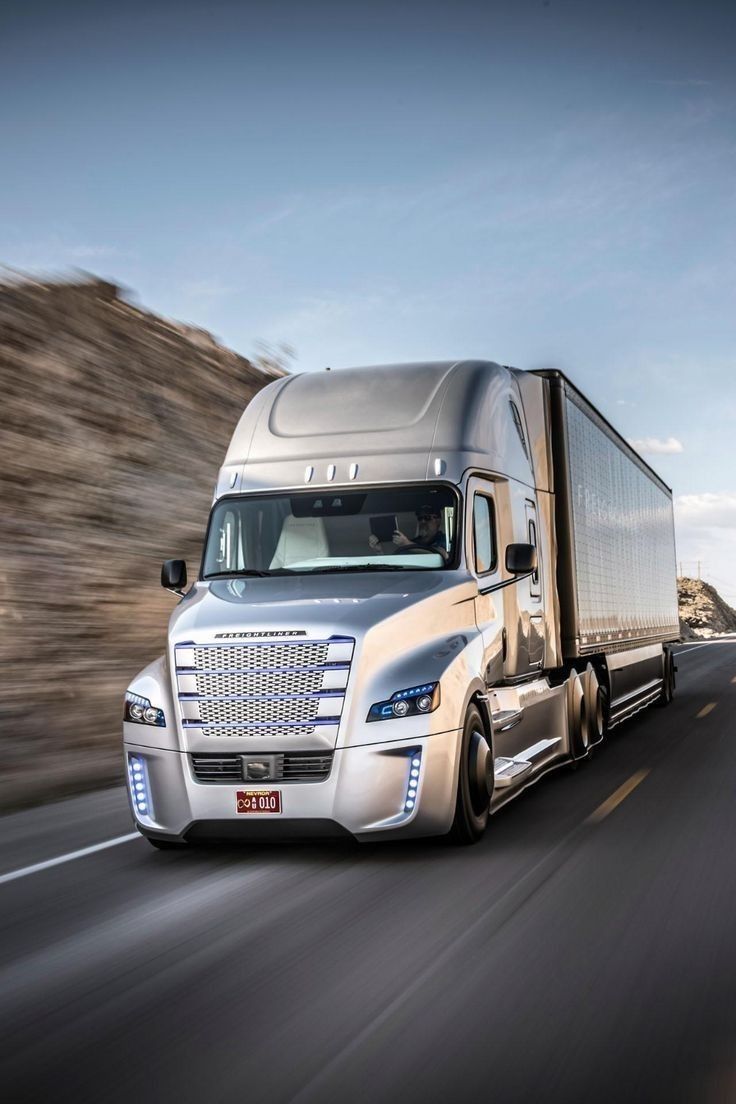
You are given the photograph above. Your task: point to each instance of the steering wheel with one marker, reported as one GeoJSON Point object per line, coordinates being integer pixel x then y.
{"type": "Point", "coordinates": [412, 547]}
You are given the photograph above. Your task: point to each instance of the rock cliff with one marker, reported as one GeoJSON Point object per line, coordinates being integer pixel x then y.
{"type": "Point", "coordinates": [114, 423]}
{"type": "Point", "coordinates": [702, 610]}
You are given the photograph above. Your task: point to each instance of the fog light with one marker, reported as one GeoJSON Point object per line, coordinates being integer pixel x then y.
{"type": "Point", "coordinates": [412, 786]}
{"type": "Point", "coordinates": [138, 784]}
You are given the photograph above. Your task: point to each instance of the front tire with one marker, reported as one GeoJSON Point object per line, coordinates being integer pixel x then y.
{"type": "Point", "coordinates": [474, 783]}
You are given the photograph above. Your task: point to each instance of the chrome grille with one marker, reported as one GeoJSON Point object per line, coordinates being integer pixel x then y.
{"type": "Point", "coordinates": [222, 683]}
{"type": "Point", "coordinates": [306, 768]}
{"type": "Point", "coordinates": [265, 710]}
{"type": "Point", "coordinates": [267, 732]}
{"type": "Point", "coordinates": [211, 768]}
{"type": "Point", "coordinates": [253, 656]}
{"type": "Point", "coordinates": [291, 767]}
{"type": "Point", "coordinates": [266, 690]}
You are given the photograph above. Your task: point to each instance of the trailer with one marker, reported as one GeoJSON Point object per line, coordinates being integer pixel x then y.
{"type": "Point", "coordinates": [422, 587]}
{"type": "Point", "coordinates": [616, 569]}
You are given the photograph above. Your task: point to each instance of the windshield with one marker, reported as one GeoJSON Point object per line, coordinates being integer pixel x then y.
{"type": "Point", "coordinates": [393, 528]}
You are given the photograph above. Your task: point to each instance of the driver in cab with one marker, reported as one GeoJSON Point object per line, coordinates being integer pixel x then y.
{"type": "Point", "coordinates": [429, 536]}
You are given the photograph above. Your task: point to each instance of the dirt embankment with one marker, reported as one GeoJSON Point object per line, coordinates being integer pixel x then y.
{"type": "Point", "coordinates": [114, 423]}
{"type": "Point", "coordinates": [703, 613]}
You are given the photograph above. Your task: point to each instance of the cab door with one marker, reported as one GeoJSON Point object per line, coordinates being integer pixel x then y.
{"type": "Point", "coordinates": [488, 525]}
{"type": "Point", "coordinates": [483, 559]}
{"type": "Point", "coordinates": [534, 602]}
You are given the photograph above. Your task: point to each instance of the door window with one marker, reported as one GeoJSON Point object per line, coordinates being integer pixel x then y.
{"type": "Point", "coordinates": [484, 534]}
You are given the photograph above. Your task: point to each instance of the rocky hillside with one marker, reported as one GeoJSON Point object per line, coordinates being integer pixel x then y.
{"type": "Point", "coordinates": [702, 610]}
{"type": "Point", "coordinates": [114, 423]}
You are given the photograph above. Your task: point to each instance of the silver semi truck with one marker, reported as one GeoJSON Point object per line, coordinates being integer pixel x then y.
{"type": "Point", "coordinates": [423, 586]}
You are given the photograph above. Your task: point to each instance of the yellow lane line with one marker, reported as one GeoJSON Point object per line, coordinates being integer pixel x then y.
{"type": "Point", "coordinates": [705, 710]}
{"type": "Point", "coordinates": [617, 797]}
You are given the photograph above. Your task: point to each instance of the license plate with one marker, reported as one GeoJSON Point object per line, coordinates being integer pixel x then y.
{"type": "Point", "coordinates": [258, 801]}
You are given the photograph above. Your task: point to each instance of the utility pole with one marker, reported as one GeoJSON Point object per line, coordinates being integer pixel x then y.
{"type": "Point", "coordinates": [698, 570]}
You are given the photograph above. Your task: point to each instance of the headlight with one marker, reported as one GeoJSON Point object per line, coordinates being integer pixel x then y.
{"type": "Point", "coordinates": [407, 703]}
{"type": "Point", "coordinates": [140, 711]}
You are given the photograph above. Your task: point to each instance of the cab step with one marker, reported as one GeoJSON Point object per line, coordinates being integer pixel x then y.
{"type": "Point", "coordinates": [506, 709]}
{"type": "Point", "coordinates": [506, 771]}
{"type": "Point", "coordinates": [505, 719]}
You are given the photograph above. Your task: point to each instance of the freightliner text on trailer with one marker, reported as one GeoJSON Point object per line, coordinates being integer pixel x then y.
{"type": "Point", "coordinates": [423, 586]}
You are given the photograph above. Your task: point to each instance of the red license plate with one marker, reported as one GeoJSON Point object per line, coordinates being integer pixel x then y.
{"type": "Point", "coordinates": [258, 801]}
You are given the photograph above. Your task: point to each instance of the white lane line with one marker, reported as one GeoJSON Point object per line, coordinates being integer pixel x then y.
{"type": "Point", "coordinates": [67, 858]}
{"type": "Point", "coordinates": [708, 643]}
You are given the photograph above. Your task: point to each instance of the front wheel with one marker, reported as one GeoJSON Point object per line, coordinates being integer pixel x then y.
{"type": "Point", "coordinates": [474, 783]}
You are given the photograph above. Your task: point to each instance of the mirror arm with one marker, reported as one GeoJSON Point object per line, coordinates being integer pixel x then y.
{"type": "Point", "coordinates": [506, 582]}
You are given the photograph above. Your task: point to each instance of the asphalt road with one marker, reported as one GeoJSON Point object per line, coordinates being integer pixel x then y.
{"type": "Point", "coordinates": [584, 951]}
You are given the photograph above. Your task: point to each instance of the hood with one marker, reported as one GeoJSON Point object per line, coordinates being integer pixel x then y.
{"type": "Point", "coordinates": [324, 605]}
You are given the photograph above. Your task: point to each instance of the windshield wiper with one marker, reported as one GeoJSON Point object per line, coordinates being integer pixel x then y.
{"type": "Point", "coordinates": [237, 574]}
{"type": "Point", "coordinates": [355, 567]}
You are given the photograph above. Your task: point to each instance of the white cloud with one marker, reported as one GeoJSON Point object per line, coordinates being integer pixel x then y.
{"type": "Point", "coordinates": [706, 511]}
{"type": "Point", "coordinates": [654, 445]}
{"type": "Point", "coordinates": [705, 525]}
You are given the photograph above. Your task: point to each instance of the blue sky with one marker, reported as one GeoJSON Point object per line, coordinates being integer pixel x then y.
{"type": "Point", "coordinates": [535, 183]}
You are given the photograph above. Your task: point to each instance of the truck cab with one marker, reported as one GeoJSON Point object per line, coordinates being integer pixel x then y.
{"type": "Point", "coordinates": [373, 645]}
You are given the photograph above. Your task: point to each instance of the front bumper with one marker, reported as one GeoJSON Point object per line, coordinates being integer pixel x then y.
{"type": "Point", "coordinates": [365, 795]}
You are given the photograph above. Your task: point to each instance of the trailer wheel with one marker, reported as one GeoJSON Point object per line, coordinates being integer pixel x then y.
{"type": "Point", "coordinates": [668, 682]}
{"type": "Point", "coordinates": [474, 783]}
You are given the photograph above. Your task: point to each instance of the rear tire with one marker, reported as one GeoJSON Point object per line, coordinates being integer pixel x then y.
{"type": "Point", "coordinates": [577, 719]}
{"type": "Point", "coordinates": [668, 683]}
{"type": "Point", "coordinates": [474, 783]}
{"type": "Point", "coordinates": [596, 706]}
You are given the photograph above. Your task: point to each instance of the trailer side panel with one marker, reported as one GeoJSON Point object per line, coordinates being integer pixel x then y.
{"type": "Point", "coordinates": [616, 572]}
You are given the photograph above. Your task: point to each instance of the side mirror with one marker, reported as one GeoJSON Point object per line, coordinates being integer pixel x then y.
{"type": "Point", "coordinates": [521, 559]}
{"type": "Point", "coordinates": [174, 575]}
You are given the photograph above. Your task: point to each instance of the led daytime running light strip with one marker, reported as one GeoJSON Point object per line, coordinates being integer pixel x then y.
{"type": "Point", "coordinates": [139, 788]}
{"type": "Point", "coordinates": [412, 788]}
